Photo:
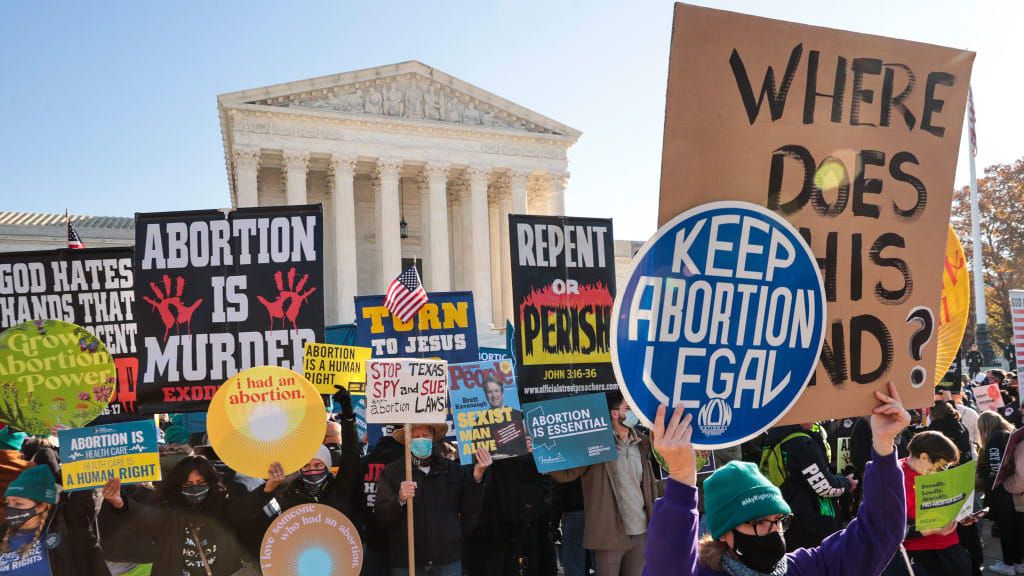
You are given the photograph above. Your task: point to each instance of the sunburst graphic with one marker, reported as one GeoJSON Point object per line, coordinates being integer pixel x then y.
{"type": "Point", "coordinates": [954, 307]}
{"type": "Point", "coordinates": [264, 415]}
{"type": "Point", "coordinates": [311, 540]}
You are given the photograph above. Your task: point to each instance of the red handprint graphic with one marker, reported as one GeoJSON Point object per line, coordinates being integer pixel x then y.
{"type": "Point", "coordinates": [288, 302]}
{"type": "Point", "coordinates": [166, 300]}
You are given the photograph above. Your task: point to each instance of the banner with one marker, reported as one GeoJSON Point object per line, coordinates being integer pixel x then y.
{"type": "Point", "coordinates": [445, 329]}
{"type": "Point", "coordinates": [944, 497]}
{"type": "Point", "coordinates": [93, 288]}
{"type": "Point", "coordinates": [852, 138]}
{"type": "Point", "coordinates": [406, 391]}
{"type": "Point", "coordinates": [89, 457]}
{"type": "Point", "coordinates": [485, 403]}
{"type": "Point", "coordinates": [491, 354]}
{"type": "Point", "coordinates": [327, 365]}
{"type": "Point", "coordinates": [311, 539]}
{"type": "Point", "coordinates": [1017, 316]}
{"type": "Point", "coordinates": [955, 308]}
{"type": "Point", "coordinates": [221, 292]}
{"type": "Point", "coordinates": [988, 397]}
{"type": "Point", "coordinates": [570, 432]}
{"type": "Point", "coordinates": [563, 287]}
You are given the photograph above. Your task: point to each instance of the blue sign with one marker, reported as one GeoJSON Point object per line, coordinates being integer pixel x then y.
{"type": "Point", "coordinates": [126, 450]}
{"type": "Point", "coordinates": [485, 403]}
{"type": "Point", "coordinates": [570, 432]}
{"type": "Point", "coordinates": [723, 312]}
{"type": "Point", "coordinates": [492, 354]}
{"type": "Point", "coordinates": [444, 328]}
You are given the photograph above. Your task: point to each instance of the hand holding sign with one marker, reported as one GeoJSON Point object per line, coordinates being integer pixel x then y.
{"type": "Point", "coordinates": [888, 420]}
{"type": "Point", "coordinates": [673, 443]}
{"type": "Point", "coordinates": [112, 493]}
{"type": "Point", "coordinates": [483, 462]}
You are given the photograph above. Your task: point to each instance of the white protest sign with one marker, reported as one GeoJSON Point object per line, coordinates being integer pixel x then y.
{"type": "Point", "coordinates": [406, 390]}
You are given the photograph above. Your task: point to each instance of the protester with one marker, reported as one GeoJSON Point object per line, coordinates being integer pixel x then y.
{"type": "Point", "coordinates": [746, 514]}
{"type": "Point", "coordinates": [945, 419]}
{"type": "Point", "coordinates": [969, 418]}
{"type": "Point", "coordinates": [446, 501]}
{"type": "Point", "coordinates": [375, 538]}
{"type": "Point", "coordinates": [974, 360]}
{"type": "Point", "coordinates": [12, 463]}
{"type": "Point", "coordinates": [46, 535]}
{"type": "Point", "coordinates": [618, 496]}
{"type": "Point", "coordinates": [128, 553]}
{"type": "Point", "coordinates": [995, 432]}
{"type": "Point", "coordinates": [567, 499]}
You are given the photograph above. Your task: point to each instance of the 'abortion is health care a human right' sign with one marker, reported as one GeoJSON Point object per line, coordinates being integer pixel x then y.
{"type": "Point", "coordinates": [723, 312]}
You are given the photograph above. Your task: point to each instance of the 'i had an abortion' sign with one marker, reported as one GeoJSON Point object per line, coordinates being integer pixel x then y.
{"type": "Point", "coordinates": [723, 312]}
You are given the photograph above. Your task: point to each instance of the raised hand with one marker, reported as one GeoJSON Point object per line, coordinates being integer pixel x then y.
{"type": "Point", "coordinates": [483, 462]}
{"type": "Point", "coordinates": [275, 477]}
{"type": "Point", "coordinates": [672, 441]}
{"type": "Point", "coordinates": [112, 493]}
{"type": "Point", "coordinates": [888, 420]}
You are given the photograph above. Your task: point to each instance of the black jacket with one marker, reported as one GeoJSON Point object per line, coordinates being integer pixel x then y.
{"type": "Point", "coordinates": [810, 487]}
{"type": "Point", "coordinates": [371, 468]}
{"type": "Point", "coordinates": [515, 496]}
{"type": "Point", "coordinates": [120, 545]}
{"type": "Point", "coordinates": [445, 509]}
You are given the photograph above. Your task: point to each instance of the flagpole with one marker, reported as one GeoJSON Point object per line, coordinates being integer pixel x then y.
{"type": "Point", "coordinates": [981, 336]}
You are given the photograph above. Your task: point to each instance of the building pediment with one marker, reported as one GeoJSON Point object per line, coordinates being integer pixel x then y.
{"type": "Point", "coordinates": [410, 91]}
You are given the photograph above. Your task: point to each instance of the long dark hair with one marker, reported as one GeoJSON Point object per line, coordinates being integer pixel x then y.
{"type": "Point", "coordinates": [170, 487]}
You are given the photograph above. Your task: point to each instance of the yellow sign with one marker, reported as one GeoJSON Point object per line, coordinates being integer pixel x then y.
{"type": "Point", "coordinates": [264, 415]}
{"type": "Point", "coordinates": [328, 365]}
{"type": "Point", "coordinates": [956, 304]}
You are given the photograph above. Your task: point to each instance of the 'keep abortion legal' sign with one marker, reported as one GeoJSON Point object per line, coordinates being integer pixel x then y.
{"type": "Point", "coordinates": [723, 312]}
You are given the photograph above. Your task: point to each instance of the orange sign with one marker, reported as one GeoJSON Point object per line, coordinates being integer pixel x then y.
{"type": "Point", "coordinates": [955, 307]}
{"type": "Point", "coordinates": [311, 539]}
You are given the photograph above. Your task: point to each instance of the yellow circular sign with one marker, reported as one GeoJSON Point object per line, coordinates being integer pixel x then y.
{"type": "Point", "coordinates": [955, 305]}
{"type": "Point", "coordinates": [311, 540]}
{"type": "Point", "coordinates": [264, 415]}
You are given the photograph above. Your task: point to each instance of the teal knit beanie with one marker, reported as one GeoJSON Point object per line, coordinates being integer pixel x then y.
{"type": "Point", "coordinates": [176, 435]}
{"type": "Point", "coordinates": [738, 493]}
{"type": "Point", "coordinates": [36, 484]}
{"type": "Point", "coordinates": [11, 440]}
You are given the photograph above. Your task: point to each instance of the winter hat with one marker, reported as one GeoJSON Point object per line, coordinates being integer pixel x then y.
{"type": "Point", "coordinates": [323, 455]}
{"type": "Point", "coordinates": [11, 440]}
{"type": "Point", "coordinates": [35, 483]}
{"type": "Point", "coordinates": [176, 435]}
{"type": "Point", "coordinates": [738, 493]}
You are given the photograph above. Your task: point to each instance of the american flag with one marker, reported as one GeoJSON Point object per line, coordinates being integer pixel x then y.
{"type": "Point", "coordinates": [405, 295]}
{"type": "Point", "coordinates": [970, 122]}
{"type": "Point", "coordinates": [74, 240]}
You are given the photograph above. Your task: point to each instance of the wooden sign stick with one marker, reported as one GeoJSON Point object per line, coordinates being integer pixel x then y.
{"type": "Point", "coordinates": [411, 535]}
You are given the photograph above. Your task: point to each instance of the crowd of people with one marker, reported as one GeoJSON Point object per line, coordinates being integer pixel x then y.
{"type": "Point", "coordinates": [831, 497]}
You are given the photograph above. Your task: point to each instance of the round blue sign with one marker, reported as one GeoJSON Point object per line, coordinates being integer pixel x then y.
{"type": "Point", "coordinates": [723, 312]}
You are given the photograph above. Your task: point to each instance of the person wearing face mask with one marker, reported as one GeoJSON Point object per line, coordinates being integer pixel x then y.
{"type": "Point", "coordinates": [447, 500]}
{"type": "Point", "coordinates": [618, 496]}
{"type": "Point", "coordinates": [747, 516]}
{"type": "Point", "coordinates": [195, 526]}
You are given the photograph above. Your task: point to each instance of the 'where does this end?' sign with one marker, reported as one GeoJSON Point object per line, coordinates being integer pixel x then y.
{"type": "Point", "coordinates": [91, 456]}
{"type": "Point", "coordinates": [407, 390]}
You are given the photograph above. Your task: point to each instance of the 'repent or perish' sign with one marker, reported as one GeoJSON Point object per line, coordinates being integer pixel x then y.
{"type": "Point", "coordinates": [406, 390]}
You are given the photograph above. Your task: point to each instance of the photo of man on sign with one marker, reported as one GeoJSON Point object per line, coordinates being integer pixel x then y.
{"type": "Point", "coordinates": [485, 403]}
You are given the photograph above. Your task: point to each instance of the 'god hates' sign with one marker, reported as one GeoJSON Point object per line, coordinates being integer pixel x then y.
{"type": "Point", "coordinates": [724, 313]}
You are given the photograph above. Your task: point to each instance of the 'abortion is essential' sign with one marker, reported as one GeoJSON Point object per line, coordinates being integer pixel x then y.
{"type": "Point", "coordinates": [723, 312]}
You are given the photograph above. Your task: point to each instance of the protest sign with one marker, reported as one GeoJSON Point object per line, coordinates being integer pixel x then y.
{"type": "Point", "coordinates": [570, 432]}
{"type": "Point", "coordinates": [853, 139]}
{"type": "Point", "coordinates": [1017, 316]}
{"type": "Point", "coordinates": [843, 458]}
{"type": "Point", "coordinates": [1008, 466]}
{"type": "Point", "coordinates": [988, 397]}
{"type": "Point", "coordinates": [944, 497]}
{"type": "Point", "coordinates": [723, 311]}
{"type": "Point", "coordinates": [444, 328]}
{"type": "Point", "coordinates": [264, 415]}
{"type": "Point", "coordinates": [311, 539]}
{"type": "Point", "coordinates": [219, 292]}
{"type": "Point", "coordinates": [407, 390]}
{"type": "Point", "coordinates": [93, 288]}
{"type": "Point", "coordinates": [490, 354]}
{"type": "Point", "coordinates": [328, 365]}
{"type": "Point", "coordinates": [126, 450]}
{"type": "Point", "coordinates": [485, 403]}
{"type": "Point", "coordinates": [53, 375]}
{"type": "Point", "coordinates": [955, 307]}
{"type": "Point", "coordinates": [563, 286]}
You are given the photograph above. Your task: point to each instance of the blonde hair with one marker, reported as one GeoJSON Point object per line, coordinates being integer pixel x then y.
{"type": "Point", "coordinates": [990, 422]}
{"type": "Point", "coordinates": [710, 552]}
{"type": "Point", "coordinates": [5, 542]}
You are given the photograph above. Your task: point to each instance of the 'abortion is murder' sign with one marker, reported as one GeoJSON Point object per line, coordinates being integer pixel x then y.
{"type": "Point", "coordinates": [853, 139]}
{"type": "Point", "coordinates": [563, 288]}
{"type": "Point", "coordinates": [221, 292]}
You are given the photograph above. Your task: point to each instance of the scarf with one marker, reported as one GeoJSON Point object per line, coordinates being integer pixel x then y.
{"type": "Point", "coordinates": [734, 567]}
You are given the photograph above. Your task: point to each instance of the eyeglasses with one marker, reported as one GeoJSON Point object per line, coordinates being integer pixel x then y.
{"type": "Point", "coordinates": [765, 526]}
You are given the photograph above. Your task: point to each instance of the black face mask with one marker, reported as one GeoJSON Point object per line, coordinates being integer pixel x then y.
{"type": "Point", "coordinates": [312, 482]}
{"type": "Point", "coordinates": [762, 553]}
{"type": "Point", "coordinates": [16, 517]}
{"type": "Point", "coordinates": [195, 494]}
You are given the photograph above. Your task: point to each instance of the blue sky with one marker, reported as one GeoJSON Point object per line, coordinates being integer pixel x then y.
{"type": "Point", "coordinates": [109, 108]}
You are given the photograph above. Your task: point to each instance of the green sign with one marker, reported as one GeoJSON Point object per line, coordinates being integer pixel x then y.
{"type": "Point", "coordinates": [53, 376]}
{"type": "Point", "coordinates": [944, 497]}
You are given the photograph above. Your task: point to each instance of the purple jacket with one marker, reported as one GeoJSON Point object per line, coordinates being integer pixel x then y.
{"type": "Point", "coordinates": [864, 548]}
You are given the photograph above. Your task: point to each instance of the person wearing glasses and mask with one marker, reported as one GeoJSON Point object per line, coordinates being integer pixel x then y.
{"type": "Point", "coordinates": [747, 516]}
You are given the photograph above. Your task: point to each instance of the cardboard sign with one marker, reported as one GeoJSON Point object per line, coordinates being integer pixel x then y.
{"type": "Point", "coordinates": [944, 497]}
{"type": "Point", "coordinates": [54, 376]}
{"type": "Point", "coordinates": [445, 328]}
{"type": "Point", "coordinates": [264, 415]}
{"type": "Point", "coordinates": [723, 311]}
{"type": "Point", "coordinates": [406, 391]}
{"type": "Point", "coordinates": [485, 402]}
{"type": "Point", "coordinates": [328, 365]}
{"type": "Point", "coordinates": [853, 139]}
{"type": "Point", "coordinates": [563, 286]}
{"type": "Point", "coordinates": [955, 308]}
{"type": "Point", "coordinates": [570, 432]}
{"type": "Point", "coordinates": [91, 456]}
{"type": "Point", "coordinates": [93, 288]}
{"type": "Point", "coordinates": [218, 293]}
{"type": "Point", "coordinates": [311, 539]}
{"type": "Point", "coordinates": [988, 397]}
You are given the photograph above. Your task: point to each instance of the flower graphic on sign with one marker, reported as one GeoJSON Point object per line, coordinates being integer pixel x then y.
{"type": "Point", "coordinates": [289, 300]}
{"type": "Point", "coordinates": [172, 307]}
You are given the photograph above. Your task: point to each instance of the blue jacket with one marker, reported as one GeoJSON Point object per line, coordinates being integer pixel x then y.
{"type": "Point", "coordinates": [864, 548]}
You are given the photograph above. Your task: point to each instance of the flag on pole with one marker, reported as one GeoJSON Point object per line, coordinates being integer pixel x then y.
{"type": "Point", "coordinates": [405, 295]}
{"type": "Point", "coordinates": [970, 122]}
{"type": "Point", "coordinates": [74, 240]}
